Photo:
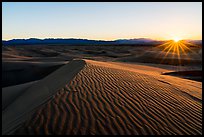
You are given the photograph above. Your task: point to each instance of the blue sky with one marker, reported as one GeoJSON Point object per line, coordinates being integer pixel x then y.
{"type": "Point", "coordinates": [102, 20]}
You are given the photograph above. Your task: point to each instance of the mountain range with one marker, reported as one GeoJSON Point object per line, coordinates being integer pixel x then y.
{"type": "Point", "coordinates": [72, 41]}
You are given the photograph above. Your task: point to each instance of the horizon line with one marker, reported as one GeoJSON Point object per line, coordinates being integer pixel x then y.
{"type": "Point", "coordinates": [94, 39]}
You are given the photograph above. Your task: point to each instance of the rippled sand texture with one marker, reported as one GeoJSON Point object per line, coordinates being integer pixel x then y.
{"type": "Point", "coordinates": [114, 98]}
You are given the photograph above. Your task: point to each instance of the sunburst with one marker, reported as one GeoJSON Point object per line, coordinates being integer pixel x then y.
{"type": "Point", "coordinates": [176, 47]}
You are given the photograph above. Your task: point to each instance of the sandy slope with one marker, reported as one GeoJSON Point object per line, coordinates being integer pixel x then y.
{"type": "Point", "coordinates": [117, 98]}
{"type": "Point", "coordinates": [23, 105]}
{"type": "Point", "coordinates": [9, 94]}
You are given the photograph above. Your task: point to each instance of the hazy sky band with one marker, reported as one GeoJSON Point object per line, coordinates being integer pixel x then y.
{"type": "Point", "coordinates": [102, 20]}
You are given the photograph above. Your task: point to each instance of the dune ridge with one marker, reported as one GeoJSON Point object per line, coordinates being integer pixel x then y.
{"type": "Point", "coordinates": [116, 98]}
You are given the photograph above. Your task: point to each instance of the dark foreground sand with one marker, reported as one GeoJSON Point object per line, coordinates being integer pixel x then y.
{"type": "Point", "coordinates": [118, 98]}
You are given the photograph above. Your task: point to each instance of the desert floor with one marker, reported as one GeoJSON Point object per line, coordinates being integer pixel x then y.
{"type": "Point", "coordinates": [78, 90]}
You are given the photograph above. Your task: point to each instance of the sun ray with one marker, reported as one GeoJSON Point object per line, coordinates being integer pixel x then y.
{"type": "Point", "coordinates": [174, 46]}
{"type": "Point", "coordinates": [186, 47]}
{"type": "Point", "coordinates": [170, 45]}
{"type": "Point", "coordinates": [194, 45]}
{"type": "Point", "coordinates": [178, 54]}
{"type": "Point", "coordinates": [167, 43]}
{"type": "Point", "coordinates": [182, 48]}
{"type": "Point", "coordinates": [168, 51]}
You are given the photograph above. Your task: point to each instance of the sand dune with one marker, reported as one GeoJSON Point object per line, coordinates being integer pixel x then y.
{"type": "Point", "coordinates": [38, 93]}
{"type": "Point", "coordinates": [117, 98]}
{"type": "Point", "coordinates": [13, 56]}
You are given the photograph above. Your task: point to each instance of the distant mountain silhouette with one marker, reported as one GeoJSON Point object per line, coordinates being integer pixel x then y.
{"type": "Point", "coordinates": [136, 41]}
{"type": "Point", "coordinates": [34, 41]}
{"type": "Point", "coordinates": [72, 41]}
{"type": "Point", "coordinates": [198, 42]}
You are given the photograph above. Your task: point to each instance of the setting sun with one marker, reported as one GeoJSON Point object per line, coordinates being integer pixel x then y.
{"type": "Point", "coordinates": [176, 39]}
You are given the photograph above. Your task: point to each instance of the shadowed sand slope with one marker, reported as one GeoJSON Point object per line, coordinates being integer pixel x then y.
{"type": "Point", "coordinates": [19, 72]}
{"type": "Point", "coordinates": [9, 94]}
{"type": "Point", "coordinates": [117, 98]}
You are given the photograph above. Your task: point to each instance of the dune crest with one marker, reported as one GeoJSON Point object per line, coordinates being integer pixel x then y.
{"type": "Point", "coordinates": [116, 98]}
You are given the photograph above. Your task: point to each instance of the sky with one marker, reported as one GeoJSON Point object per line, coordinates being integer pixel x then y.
{"type": "Point", "coordinates": [102, 20]}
